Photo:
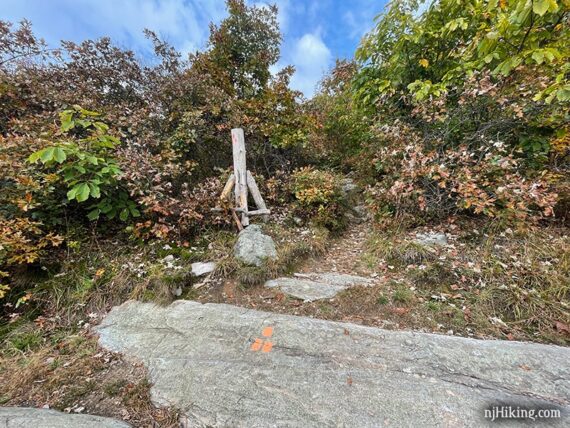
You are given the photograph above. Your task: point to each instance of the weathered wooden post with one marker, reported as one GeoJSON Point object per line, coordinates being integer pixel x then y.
{"type": "Point", "coordinates": [240, 172]}
{"type": "Point", "coordinates": [242, 180]}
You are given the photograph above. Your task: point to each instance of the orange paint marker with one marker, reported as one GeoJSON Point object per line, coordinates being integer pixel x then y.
{"type": "Point", "coordinates": [267, 332]}
{"type": "Point", "coordinates": [267, 347]}
{"type": "Point", "coordinates": [256, 346]}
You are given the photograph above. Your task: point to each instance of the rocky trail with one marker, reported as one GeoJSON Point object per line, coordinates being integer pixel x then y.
{"type": "Point", "coordinates": [229, 366]}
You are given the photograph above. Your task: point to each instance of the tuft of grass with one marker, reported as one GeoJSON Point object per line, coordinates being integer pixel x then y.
{"type": "Point", "coordinates": [24, 341]}
{"type": "Point", "coordinates": [435, 276]}
{"type": "Point", "coordinates": [433, 306]}
{"type": "Point", "coordinates": [113, 388]}
{"type": "Point", "coordinates": [382, 300]}
{"type": "Point", "coordinates": [395, 252]}
{"type": "Point", "coordinates": [403, 295]}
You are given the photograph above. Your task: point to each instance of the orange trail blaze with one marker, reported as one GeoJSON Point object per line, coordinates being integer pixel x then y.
{"type": "Point", "coordinates": [256, 346]}
{"type": "Point", "coordinates": [267, 347]}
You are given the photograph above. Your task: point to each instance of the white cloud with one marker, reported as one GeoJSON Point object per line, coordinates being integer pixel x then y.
{"type": "Point", "coordinates": [183, 23]}
{"type": "Point", "coordinates": [311, 58]}
{"type": "Point", "coordinates": [350, 21]}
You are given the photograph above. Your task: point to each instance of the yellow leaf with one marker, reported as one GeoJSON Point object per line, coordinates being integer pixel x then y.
{"type": "Point", "coordinates": [424, 63]}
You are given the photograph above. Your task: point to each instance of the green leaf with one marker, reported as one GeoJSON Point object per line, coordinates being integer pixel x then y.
{"type": "Point", "coordinates": [540, 7]}
{"type": "Point", "coordinates": [34, 157]}
{"type": "Point", "coordinates": [47, 154]}
{"type": "Point", "coordinates": [94, 215]}
{"type": "Point", "coordinates": [134, 211]}
{"type": "Point", "coordinates": [563, 94]}
{"type": "Point", "coordinates": [82, 192]}
{"type": "Point", "coordinates": [105, 207]}
{"type": "Point", "coordinates": [67, 122]}
{"type": "Point", "coordinates": [101, 127]}
{"type": "Point", "coordinates": [124, 215]}
{"type": "Point", "coordinates": [538, 56]}
{"type": "Point", "coordinates": [71, 194]}
{"type": "Point", "coordinates": [59, 155]}
{"type": "Point", "coordinates": [94, 190]}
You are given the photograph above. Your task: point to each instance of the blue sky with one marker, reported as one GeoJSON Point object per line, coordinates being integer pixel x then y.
{"type": "Point", "coordinates": [315, 31]}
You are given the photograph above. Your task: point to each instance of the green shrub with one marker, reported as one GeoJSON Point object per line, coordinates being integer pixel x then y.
{"type": "Point", "coordinates": [84, 165]}
{"type": "Point", "coordinates": [471, 100]}
{"type": "Point", "coordinates": [319, 196]}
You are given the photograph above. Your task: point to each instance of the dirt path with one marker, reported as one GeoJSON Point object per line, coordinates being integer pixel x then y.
{"type": "Point", "coordinates": [344, 255]}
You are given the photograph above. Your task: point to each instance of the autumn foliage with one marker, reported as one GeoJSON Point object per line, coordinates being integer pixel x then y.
{"type": "Point", "coordinates": [460, 109]}
{"type": "Point", "coordinates": [472, 104]}
{"type": "Point", "coordinates": [92, 138]}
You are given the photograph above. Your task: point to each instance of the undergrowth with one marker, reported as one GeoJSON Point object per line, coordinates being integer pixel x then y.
{"type": "Point", "coordinates": [492, 279]}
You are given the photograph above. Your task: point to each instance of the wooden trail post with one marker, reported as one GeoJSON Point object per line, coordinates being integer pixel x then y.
{"type": "Point", "coordinates": [240, 172]}
{"type": "Point", "coordinates": [241, 181]}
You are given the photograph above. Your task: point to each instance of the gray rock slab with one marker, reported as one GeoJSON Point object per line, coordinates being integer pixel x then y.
{"type": "Point", "coordinates": [203, 360]}
{"type": "Point", "coordinates": [341, 279]}
{"type": "Point", "coordinates": [26, 417]}
{"type": "Point", "coordinates": [201, 268]}
{"type": "Point", "coordinates": [317, 286]}
{"type": "Point", "coordinates": [253, 246]}
{"type": "Point", "coordinates": [305, 289]}
{"type": "Point", "coordinates": [431, 239]}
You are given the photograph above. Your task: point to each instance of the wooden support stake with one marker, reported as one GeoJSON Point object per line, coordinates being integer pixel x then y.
{"type": "Point", "coordinates": [252, 185]}
{"type": "Point", "coordinates": [259, 212]}
{"type": "Point", "coordinates": [228, 187]}
{"type": "Point", "coordinates": [238, 147]}
{"type": "Point", "coordinates": [239, 211]}
{"type": "Point", "coordinates": [236, 219]}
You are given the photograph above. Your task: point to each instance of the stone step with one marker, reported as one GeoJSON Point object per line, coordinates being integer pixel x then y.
{"type": "Point", "coordinates": [317, 286]}
{"type": "Point", "coordinates": [226, 366]}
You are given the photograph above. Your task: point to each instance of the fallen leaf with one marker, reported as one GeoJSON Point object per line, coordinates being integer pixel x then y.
{"type": "Point", "coordinates": [563, 328]}
{"type": "Point", "coordinates": [400, 311]}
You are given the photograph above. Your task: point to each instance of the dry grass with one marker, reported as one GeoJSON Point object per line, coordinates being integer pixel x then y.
{"type": "Point", "coordinates": [489, 282]}
{"type": "Point", "coordinates": [504, 282]}
{"type": "Point", "coordinates": [66, 370]}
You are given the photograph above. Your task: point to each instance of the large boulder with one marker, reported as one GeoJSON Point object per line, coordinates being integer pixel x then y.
{"type": "Point", "coordinates": [227, 366]}
{"type": "Point", "coordinates": [253, 247]}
